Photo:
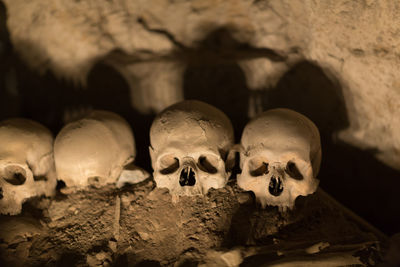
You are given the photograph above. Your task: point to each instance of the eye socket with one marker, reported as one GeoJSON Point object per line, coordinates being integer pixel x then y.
{"type": "Point", "coordinates": [261, 170]}
{"type": "Point", "coordinates": [14, 175]}
{"type": "Point", "coordinates": [168, 164]}
{"type": "Point", "coordinates": [258, 166]}
{"type": "Point", "coordinates": [207, 163]}
{"type": "Point", "coordinates": [292, 170]}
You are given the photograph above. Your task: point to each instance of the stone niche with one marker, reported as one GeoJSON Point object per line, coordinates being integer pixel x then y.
{"type": "Point", "coordinates": [336, 62]}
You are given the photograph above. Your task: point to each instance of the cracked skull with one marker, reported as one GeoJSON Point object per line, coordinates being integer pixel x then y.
{"type": "Point", "coordinates": [190, 143]}
{"type": "Point", "coordinates": [280, 157]}
{"type": "Point", "coordinates": [26, 163]}
{"type": "Point", "coordinates": [94, 149]}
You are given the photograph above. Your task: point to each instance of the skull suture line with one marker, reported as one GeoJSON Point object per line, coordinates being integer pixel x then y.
{"type": "Point", "coordinates": [280, 157]}
{"type": "Point", "coordinates": [190, 142]}
{"type": "Point", "coordinates": [94, 150]}
{"type": "Point", "coordinates": [26, 163]}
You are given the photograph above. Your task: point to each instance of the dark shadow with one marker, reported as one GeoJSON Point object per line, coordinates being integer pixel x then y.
{"type": "Point", "coordinates": [40, 97]}
{"type": "Point", "coordinates": [120, 260]}
{"type": "Point", "coordinates": [241, 228]}
{"type": "Point", "coordinates": [307, 89]}
{"type": "Point", "coordinates": [132, 261]}
{"type": "Point", "coordinates": [4, 35]}
{"type": "Point", "coordinates": [107, 89]}
{"type": "Point", "coordinates": [148, 263]}
{"type": "Point", "coordinates": [43, 97]}
{"type": "Point", "coordinates": [9, 101]}
{"type": "Point", "coordinates": [351, 175]}
{"type": "Point", "coordinates": [214, 77]}
{"type": "Point", "coordinates": [263, 259]}
{"type": "Point", "coordinates": [70, 258]}
{"type": "Point", "coordinates": [253, 225]}
{"type": "Point", "coordinates": [5, 44]}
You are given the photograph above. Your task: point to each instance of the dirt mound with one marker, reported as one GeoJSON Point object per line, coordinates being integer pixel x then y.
{"type": "Point", "coordinates": [141, 225]}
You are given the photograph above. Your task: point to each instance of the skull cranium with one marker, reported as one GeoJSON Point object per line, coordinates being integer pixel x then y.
{"type": "Point", "coordinates": [190, 141]}
{"type": "Point", "coordinates": [280, 157]}
{"type": "Point", "coordinates": [94, 149]}
{"type": "Point", "coordinates": [26, 163]}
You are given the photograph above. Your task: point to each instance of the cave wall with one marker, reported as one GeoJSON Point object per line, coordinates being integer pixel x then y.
{"type": "Point", "coordinates": [335, 61]}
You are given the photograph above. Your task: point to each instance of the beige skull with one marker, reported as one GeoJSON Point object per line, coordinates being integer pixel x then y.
{"type": "Point", "coordinates": [26, 163]}
{"type": "Point", "coordinates": [94, 150]}
{"type": "Point", "coordinates": [280, 157]}
{"type": "Point", "coordinates": [189, 145]}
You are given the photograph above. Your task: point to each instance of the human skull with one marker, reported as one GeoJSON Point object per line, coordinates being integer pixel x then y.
{"type": "Point", "coordinates": [190, 142]}
{"type": "Point", "coordinates": [26, 163]}
{"type": "Point", "coordinates": [280, 157]}
{"type": "Point", "coordinates": [93, 150]}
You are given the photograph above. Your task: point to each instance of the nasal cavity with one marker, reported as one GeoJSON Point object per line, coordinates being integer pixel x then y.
{"type": "Point", "coordinates": [275, 187]}
{"type": "Point", "coordinates": [188, 177]}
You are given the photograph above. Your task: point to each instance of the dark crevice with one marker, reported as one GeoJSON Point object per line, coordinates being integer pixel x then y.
{"type": "Point", "coordinates": [275, 187]}
{"type": "Point", "coordinates": [60, 185]}
{"type": "Point", "coordinates": [172, 168]}
{"type": "Point", "coordinates": [187, 177]}
{"type": "Point", "coordinates": [170, 37]}
{"type": "Point", "coordinates": [40, 178]}
{"type": "Point", "coordinates": [15, 176]}
{"type": "Point", "coordinates": [262, 170]}
{"type": "Point", "coordinates": [292, 170]}
{"type": "Point", "coordinates": [206, 166]}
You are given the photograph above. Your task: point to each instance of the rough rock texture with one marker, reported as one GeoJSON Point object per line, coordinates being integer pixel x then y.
{"type": "Point", "coordinates": [357, 42]}
{"type": "Point", "coordinates": [139, 226]}
{"type": "Point", "coordinates": [335, 61]}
